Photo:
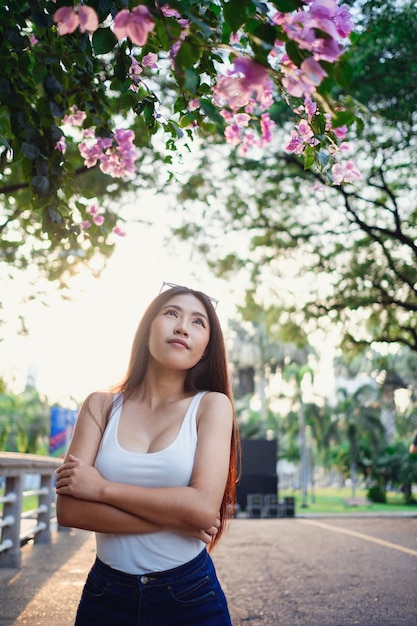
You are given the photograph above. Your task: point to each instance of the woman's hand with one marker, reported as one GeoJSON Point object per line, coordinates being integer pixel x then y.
{"type": "Point", "coordinates": [205, 535]}
{"type": "Point", "coordinates": [78, 479]}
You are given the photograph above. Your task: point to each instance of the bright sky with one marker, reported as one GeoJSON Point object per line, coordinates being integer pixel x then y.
{"type": "Point", "coordinates": [76, 347]}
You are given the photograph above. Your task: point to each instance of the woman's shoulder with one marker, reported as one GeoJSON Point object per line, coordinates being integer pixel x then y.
{"type": "Point", "coordinates": [97, 406]}
{"type": "Point", "coordinates": [215, 401]}
{"type": "Point", "coordinates": [99, 400]}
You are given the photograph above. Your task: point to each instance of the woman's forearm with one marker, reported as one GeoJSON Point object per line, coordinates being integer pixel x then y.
{"type": "Point", "coordinates": [179, 507]}
{"type": "Point", "coordinates": [100, 517]}
{"type": "Point", "coordinates": [103, 518]}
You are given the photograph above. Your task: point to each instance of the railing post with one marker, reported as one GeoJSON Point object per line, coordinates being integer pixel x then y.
{"type": "Point", "coordinates": [12, 509]}
{"type": "Point", "coordinates": [13, 468]}
{"type": "Point", "coordinates": [45, 502]}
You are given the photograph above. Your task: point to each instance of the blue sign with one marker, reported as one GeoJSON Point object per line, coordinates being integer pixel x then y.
{"type": "Point", "coordinates": [62, 426]}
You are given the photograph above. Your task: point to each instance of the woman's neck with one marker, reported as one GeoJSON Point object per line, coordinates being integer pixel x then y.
{"type": "Point", "coordinates": [159, 389]}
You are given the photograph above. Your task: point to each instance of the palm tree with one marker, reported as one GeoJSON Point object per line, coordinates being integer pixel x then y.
{"type": "Point", "coordinates": [360, 420]}
{"type": "Point", "coordinates": [24, 422]}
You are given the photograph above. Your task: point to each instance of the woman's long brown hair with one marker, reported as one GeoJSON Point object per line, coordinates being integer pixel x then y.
{"type": "Point", "coordinates": [209, 374]}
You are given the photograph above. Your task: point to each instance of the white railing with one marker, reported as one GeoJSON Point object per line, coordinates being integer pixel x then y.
{"type": "Point", "coordinates": [16, 526]}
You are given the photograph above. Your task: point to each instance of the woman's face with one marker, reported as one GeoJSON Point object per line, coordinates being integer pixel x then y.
{"type": "Point", "coordinates": [180, 333]}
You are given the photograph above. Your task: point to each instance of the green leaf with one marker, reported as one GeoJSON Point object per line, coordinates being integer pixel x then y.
{"type": "Point", "coordinates": [39, 72]}
{"type": "Point", "coordinates": [212, 113]}
{"type": "Point", "coordinates": [57, 109]}
{"type": "Point", "coordinates": [262, 41]}
{"type": "Point", "coordinates": [287, 6]}
{"type": "Point", "coordinates": [41, 185]}
{"type": "Point", "coordinates": [174, 129]}
{"type": "Point", "coordinates": [266, 33]}
{"type": "Point", "coordinates": [203, 29]}
{"type": "Point", "coordinates": [104, 41]}
{"type": "Point", "coordinates": [323, 159]}
{"type": "Point", "coordinates": [52, 85]}
{"type": "Point", "coordinates": [309, 157]}
{"type": "Point", "coordinates": [103, 8]}
{"type": "Point", "coordinates": [188, 54]}
{"type": "Point", "coordinates": [192, 80]}
{"type": "Point", "coordinates": [235, 13]}
{"type": "Point", "coordinates": [343, 73]}
{"type": "Point", "coordinates": [127, 101]}
{"type": "Point", "coordinates": [294, 52]}
{"type": "Point", "coordinates": [187, 120]}
{"type": "Point", "coordinates": [342, 118]}
{"type": "Point", "coordinates": [5, 121]}
{"type": "Point", "coordinates": [166, 31]}
{"type": "Point", "coordinates": [30, 151]}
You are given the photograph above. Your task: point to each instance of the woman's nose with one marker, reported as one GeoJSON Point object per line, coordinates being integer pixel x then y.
{"type": "Point", "coordinates": [180, 328]}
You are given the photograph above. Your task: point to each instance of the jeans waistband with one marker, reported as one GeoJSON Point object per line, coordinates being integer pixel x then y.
{"type": "Point", "coordinates": [182, 571]}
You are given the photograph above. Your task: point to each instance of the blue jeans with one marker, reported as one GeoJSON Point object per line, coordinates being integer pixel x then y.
{"type": "Point", "coordinates": [189, 595]}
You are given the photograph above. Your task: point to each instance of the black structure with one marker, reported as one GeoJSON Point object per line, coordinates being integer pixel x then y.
{"type": "Point", "coordinates": [258, 469]}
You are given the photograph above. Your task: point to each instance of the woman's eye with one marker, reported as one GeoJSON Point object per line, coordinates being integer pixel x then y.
{"type": "Point", "coordinates": [171, 312]}
{"type": "Point", "coordinates": [200, 321]}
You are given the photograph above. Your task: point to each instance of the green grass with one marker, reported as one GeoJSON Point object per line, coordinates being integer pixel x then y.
{"type": "Point", "coordinates": [331, 500]}
{"type": "Point", "coordinates": [29, 503]}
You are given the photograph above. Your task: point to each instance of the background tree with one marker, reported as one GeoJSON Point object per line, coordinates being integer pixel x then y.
{"type": "Point", "coordinates": [345, 256]}
{"type": "Point", "coordinates": [360, 423]}
{"type": "Point", "coordinates": [106, 84]}
{"type": "Point", "coordinates": [24, 422]}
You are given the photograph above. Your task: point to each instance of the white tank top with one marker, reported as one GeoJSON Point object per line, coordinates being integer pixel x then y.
{"type": "Point", "coordinates": [170, 467]}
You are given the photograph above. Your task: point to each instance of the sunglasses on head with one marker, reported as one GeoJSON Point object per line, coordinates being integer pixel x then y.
{"type": "Point", "coordinates": [165, 286]}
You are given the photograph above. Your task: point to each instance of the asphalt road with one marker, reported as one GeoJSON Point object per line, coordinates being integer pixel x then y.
{"type": "Point", "coordinates": [275, 572]}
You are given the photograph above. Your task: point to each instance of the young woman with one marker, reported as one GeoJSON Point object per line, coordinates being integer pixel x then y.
{"type": "Point", "coordinates": [152, 470]}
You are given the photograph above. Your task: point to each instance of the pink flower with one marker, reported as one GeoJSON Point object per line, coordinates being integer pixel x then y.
{"type": "Point", "coordinates": [321, 16]}
{"type": "Point", "coordinates": [194, 104]}
{"type": "Point", "coordinates": [296, 144]}
{"type": "Point", "coordinates": [88, 19]}
{"type": "Point", "coordinates": [267, 126]}
{"type": "Point", "coordinates": [343, 21]}
{"type": "Point", "coordinates": [250, 139]}
{"type": "Point", "coordinates": [327, 50]}
{"type": "Point", "coordinates": [302, 82]}
{"type": "Point", "coordinates": [255, 76]}
{"type": "Point", "coordinates": [85, 224]}
{"type": "Point", "coordinates": [345, 173]}
{"type": "Point", "coordinates": [75, 118]}
{"type": "Point", "coordinates": [93, 209]}
{"type": "Point", "coordinates": [248, 78]}
{"type": "Point", "coordinates": [304, 130]}
{"type": "Point", "coordinates": [168, 12]}
{"type": "Point", "coordinates": [116, 155]}
{"type": "Point", "coordinates": [310, 107]}
{"type": "Point", "coordinates": [296, 85]}
{"type": "Point", "coordinates": [226, 115]}
{"type": "Point", "coordinates": [242, 119]}
{"type": "Point", "coordinates": [119, 231]}
{"type": "Point", "coordinates": [67, 19]}
{"type": "Point", "coordinates": [135, 70]}
{"type": "Point", "coordinates": [235, 38]}
{"type": "Point", "coordinates": [312, 71]}
{"type": "Point", "coordinates": [135, 24]}
{"type": "Point", "coordinates": [340, 132]}
{"type": "Point", "coordinates": [150, 60]}
{"type": "Point", "coordinates": [98, 220]}
{"type": "Point", "coordinates": [61, 145]}
{"type": "Point", "coordinates": [183, 34]}
{"type": "Point", "coordinates": [232, 134]}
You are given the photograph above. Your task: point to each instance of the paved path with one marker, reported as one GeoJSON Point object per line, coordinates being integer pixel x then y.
{"type": "Point", "coordinates": [277, 572]}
